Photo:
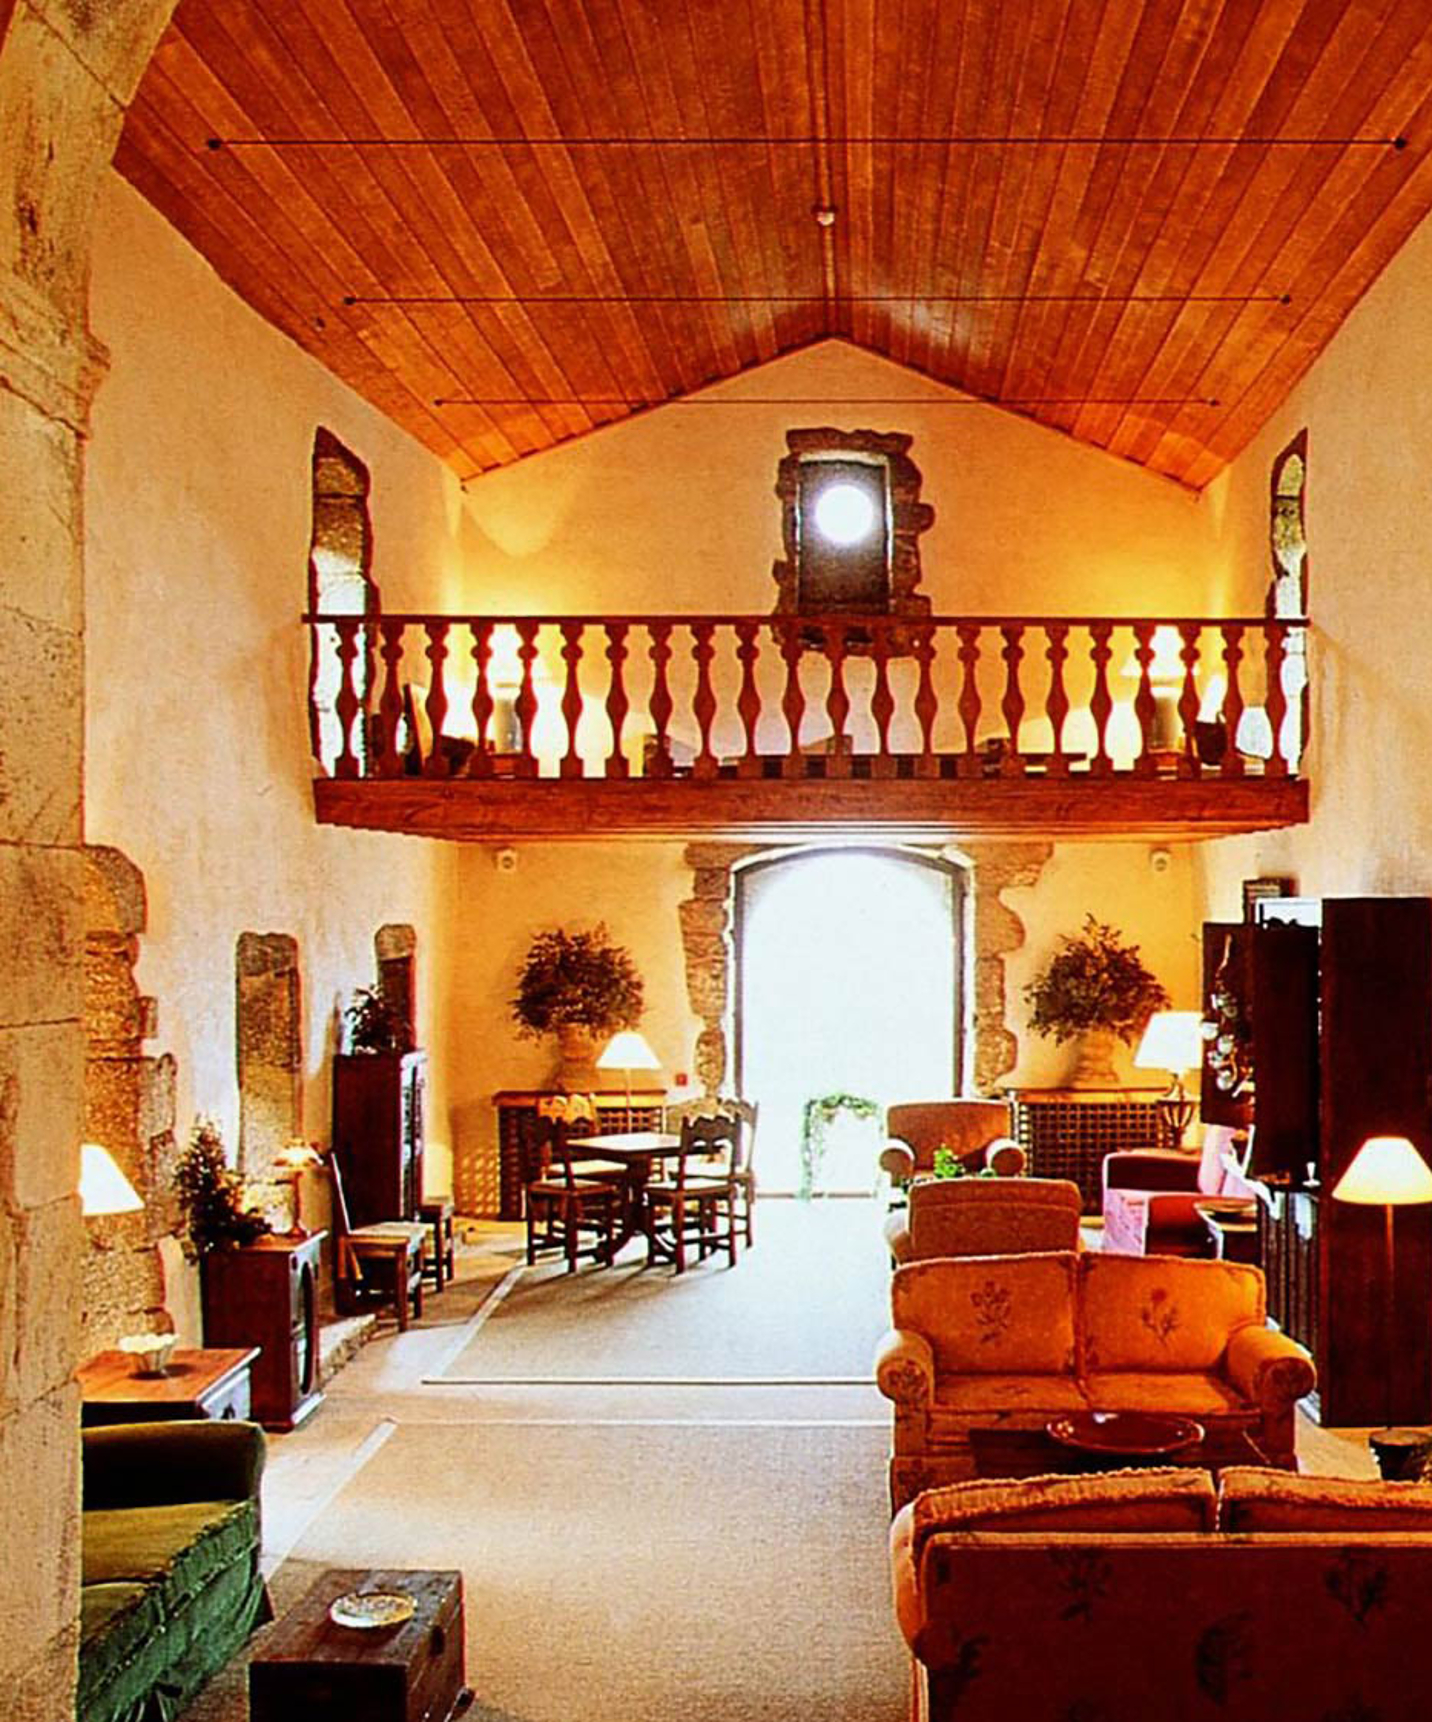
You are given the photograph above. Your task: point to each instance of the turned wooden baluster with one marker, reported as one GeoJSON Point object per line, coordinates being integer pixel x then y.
{"type": "Point", "coordinates": [436, 764]}
{"type": "Point", "coordinates": [347, 705]}
{"type": "Point", "coordinates": [1057, 705]}
{"type": "Point", "coordinates": [389, 762]}
{"type": "Point", "coordinates": [618, 704]}
{"type": "Point", "coordinates": [571, 761]}
{"type": "Point", "coordinates": [526, 704]}
{"type": "Point", "coordinates": [1101, 703]}
{"type": "Point", "coordinates": [703, 704]}
{"type": "Point", "coordinates": [661, 702]}
{"type": "Point", "coordinates": [483, 705]}
{"type": "Point", "coordinates": [1277, 700]}
{"type": "Point", "coordinates": [793, 700]}
{"type": "Point", "coordinates": [748, 701]}
{"type": "Point", "coordinates": [1145, 704]}
{"type": "Point", "coordinates": [969, 707]}
{"type": "Point", "coordinates": [1012, 764]}
{"type": "Point", "coordinates": [837, 701]}
{"type": "Point", "coordinates": [927, 705]}
{"type": "Point", "coordinates": [882, 701]}
{"type": "Point", "coordinates": [1188, 699]}
{"type": "Point", "coordinates": [1233, 701]}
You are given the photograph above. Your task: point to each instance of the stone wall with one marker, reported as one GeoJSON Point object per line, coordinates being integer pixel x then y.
{"type": "Point", "coordinates": [67, 72]}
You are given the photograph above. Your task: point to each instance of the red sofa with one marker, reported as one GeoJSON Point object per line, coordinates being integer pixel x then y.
{"type": "Point", "coordinates": [1150, 1197]}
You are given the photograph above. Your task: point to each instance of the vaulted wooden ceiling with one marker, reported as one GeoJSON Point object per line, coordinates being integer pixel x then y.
{"type": "Point", "coordinates": [506, 222]}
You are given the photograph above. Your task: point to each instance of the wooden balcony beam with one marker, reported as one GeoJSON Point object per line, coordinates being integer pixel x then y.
{"type": "Point", "coordinates": [485, 810]}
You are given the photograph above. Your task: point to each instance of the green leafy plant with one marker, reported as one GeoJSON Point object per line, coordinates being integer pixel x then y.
{"type": "Point", "coordinates": [1094, 981]}
{"type": "Point", "coordinates": [584, 978]}
{"type": "Point", "coordinates": [211, 1195]}
{"type": "Point", "coordinates": [373, 1024]}
{"type": "Point", "coordinates": [947, 1164]}
{"type": "Point", "coordinates": [816, 1120]}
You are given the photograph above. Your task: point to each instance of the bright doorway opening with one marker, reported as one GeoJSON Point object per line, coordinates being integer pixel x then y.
{"type": "Point", "coordinates": [848, 996]}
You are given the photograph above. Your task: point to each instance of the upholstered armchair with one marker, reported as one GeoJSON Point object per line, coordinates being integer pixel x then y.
{"type": "Point", "coordinates": [1151, 1197]}
{"type": "Point", "coordinates": [984, 1217]}
{"type": "Point", "coordinates": [977, 1132]}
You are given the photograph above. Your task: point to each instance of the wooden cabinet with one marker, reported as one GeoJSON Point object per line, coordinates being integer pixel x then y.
{"type": "Point", "coordinates": [378, 1133]}
{"type": "Point", "coordinates": [204, 1383]}
{"type": "Point", "coordinates": [1341, 1024]}
{"type": "Point", "coordinates": [1066, 1132]}
{"type": "Point", "coordinates": [266, 1294]}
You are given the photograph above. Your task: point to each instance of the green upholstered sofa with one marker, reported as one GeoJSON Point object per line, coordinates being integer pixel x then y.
{"type": "Point", "coordinates": [170, 1573]}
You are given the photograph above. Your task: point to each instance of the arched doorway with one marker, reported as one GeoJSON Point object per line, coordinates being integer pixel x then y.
{"type": "Point", "coordinates": [849, 983]}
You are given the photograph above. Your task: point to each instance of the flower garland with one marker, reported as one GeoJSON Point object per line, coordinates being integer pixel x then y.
{"type": "Point", "coordinates": [816, 1120]}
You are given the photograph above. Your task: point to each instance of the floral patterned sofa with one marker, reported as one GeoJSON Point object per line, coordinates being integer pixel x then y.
{"type": "Point", "coordinates": [1144, 1594]}
{"type": "Point", "coordinates": [1007, 1342]}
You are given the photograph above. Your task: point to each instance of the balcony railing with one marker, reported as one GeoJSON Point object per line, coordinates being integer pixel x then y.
{"type": "Point", "coordinates": [623, 697]}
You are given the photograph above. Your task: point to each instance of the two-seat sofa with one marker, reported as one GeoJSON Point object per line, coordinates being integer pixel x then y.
{"type": "Point", "coordinates": [171, 1586]}
{"type": "Point", "coordinates": [1153, 1594]}
{"type": "Point", "coordinates": [1008, 1342]}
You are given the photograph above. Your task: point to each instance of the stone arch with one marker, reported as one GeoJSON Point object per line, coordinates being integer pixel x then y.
{"type": "Point", "coordinates": [993, 931]}
{"type": "Point", "coordinates": [68, 71]}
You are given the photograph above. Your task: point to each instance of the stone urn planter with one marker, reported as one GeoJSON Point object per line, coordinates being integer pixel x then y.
{"type": "Point", "coordinates": [1094, 1061]}
{"type": "Point", "coordinates": [577, 1049]}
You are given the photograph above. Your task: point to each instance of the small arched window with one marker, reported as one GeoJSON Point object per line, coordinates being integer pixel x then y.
{"type": "Point", "coordinates": [339, 584]}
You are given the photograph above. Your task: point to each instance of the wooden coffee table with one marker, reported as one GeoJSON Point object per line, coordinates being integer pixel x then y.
{"type": "Point", "coordinates": [412, 1672]}
{"type": "Point", "coordinates": [1016, 1453]}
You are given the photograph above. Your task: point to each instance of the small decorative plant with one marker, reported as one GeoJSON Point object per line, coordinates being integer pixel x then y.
{"type": "Point", "coordinates": [947, 1164]}
{"type": "Point", "coordinates": [1094, 981]}
{"type": "Point", "coordinates": [374, 1025]}
{"type": "Point", "coordinates": [583, 978]}
{"type": "Point", "coordinates": [211, 1195]}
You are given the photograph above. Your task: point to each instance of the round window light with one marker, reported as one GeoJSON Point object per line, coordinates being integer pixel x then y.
{"type": "Point", "coordinates": [844, 513]}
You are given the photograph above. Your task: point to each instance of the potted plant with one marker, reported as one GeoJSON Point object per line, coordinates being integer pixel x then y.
{"type": "Point", "coordinates": [580, 986]}
{"type": "Point", "coordinates": [373, 1024]}
{"type": "Point", "coordinates": [211, 1195]}
{"type": "Point", "coordinates": [1097, 989]}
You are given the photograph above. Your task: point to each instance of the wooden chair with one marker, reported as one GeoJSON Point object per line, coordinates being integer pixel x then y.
{"type": "Point", "coordinates": [698, 1204]}
{"type": "Point", "coordinates": [437, 1213]}
{"type": "Point", "coordinates": [563, 1209]}
{"type": "Point", "coordinates": [381, 1263]}
{"type": "Point", "coordinates": [745, 1112]}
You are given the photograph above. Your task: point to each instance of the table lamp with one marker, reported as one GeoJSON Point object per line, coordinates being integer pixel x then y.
{"type": "Point", "coordinates": [104, 1189]}
{"type": "Point", "coordinates": [298, 1158]}
{"type": "Point", "coordinates": [1387, 1172]}
{"type": "Point", "coordinates": [627, 1051]}
{"type": "Point", "coordinates": [1173, 1041]}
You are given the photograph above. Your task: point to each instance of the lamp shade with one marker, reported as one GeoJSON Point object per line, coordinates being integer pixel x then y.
{"type": "Point", "coordinates": [1387, 1171]}
{"type": "Point", "coordinates": [104, 1189]}
{"type": "Point", "coordinates": [627, 1050]}
{"type": "Point", "coordinates": [1172, 1041]}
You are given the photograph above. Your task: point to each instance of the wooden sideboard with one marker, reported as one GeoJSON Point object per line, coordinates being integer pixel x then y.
{"type": "Point", "coordinates": [516, 1132]}
{"type": "Point", "coordinates": [1066, 1132]}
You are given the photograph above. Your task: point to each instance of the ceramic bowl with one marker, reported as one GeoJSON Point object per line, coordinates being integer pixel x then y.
{"type": "Point", "coordinates": [149, 1352]}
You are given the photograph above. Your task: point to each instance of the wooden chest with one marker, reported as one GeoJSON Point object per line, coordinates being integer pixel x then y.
{"type": "Point", "coordinates": [409, 1673]}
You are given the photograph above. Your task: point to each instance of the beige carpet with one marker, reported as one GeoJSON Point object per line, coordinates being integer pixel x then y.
{"type": "Point", "coordinates": [809, 1302]}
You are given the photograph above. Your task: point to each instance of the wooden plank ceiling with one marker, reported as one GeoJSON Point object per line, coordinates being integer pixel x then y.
{"type": "Point", "coordinates": [506, 222]}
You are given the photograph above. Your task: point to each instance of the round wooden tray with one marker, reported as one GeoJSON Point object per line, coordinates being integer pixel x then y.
{"type": "Point", "coordinates": [1136, 1434]}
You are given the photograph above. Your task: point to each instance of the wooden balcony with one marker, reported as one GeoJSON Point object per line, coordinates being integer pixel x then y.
{"type": "Point", "coordinates": [484, 728]}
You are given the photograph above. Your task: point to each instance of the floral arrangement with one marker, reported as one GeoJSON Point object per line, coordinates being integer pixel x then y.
{"type": "Point", "coordinates": [1094, 981]}
{"type": "Point", "coordinates": [211, 1195]}
{"type": "Point", "coordinates": [373, 1024]}
{"type": "Point", "coordinates": [583, 978]}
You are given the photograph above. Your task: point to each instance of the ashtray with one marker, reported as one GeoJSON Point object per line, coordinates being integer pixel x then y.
{"type": "Point", "coordinates": [149, 1352]}
{"type": "Point", "coordinates": [367, 1609]}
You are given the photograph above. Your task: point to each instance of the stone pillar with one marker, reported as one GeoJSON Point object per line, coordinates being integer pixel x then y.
{"type": "Point", "coordinates": [996, 867]}
{"type": "Point", "coordinates": [68, 69]}
{"type": "Point", "coordinates": [705, 929]}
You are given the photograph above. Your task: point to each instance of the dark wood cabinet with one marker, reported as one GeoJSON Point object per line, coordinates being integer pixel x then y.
{"type": "Point", "coordinates": [1066, 1132]}
{"type": "Point", "coordinates": [378, 1133]}
{"type": "Point", "coordinates": [266, 1294]}
{"type": "Point", "coordinates": [1341, 1021]}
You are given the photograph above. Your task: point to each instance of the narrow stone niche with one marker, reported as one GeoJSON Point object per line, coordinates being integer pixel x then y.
{"type": "Point", "coordinates": [269, 1045]}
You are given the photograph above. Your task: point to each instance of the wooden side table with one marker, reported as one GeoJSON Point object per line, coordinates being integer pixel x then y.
{"type": "Point", "coordinates": [201, 1383]}
{"type": "Point", "coordinates": [1234, 1235]}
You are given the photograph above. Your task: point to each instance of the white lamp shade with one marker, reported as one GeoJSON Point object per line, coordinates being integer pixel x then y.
{"type": "Point", "coordinates": [104, 1189]}
{"type": "Point", "coordinates": [627, 1050]}
{"type": "Point", "coordinates": [1173, 1041]}
{"type": "Point", "coordinates": [1387, 1171]}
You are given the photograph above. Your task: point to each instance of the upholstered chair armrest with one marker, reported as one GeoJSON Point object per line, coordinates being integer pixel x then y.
{"type": "Point", "coordinates": [1150, 1169]}
{"type": "Point", "coordinates": [905, 1367]}
{"type": "Point", "coordinates": [1268, 1368]}
{"type": "Point", "coordinates": [897, 1235]}
{"type": "Point", "coordinates": [1005, 1158]}
{"type": "Point", "coordinates": [897, 1161]}
{"type": "Point", "coordinates": [157, 1464]}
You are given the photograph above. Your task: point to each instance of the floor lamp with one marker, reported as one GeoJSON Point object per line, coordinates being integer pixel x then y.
{"type": "Point", "coordinates": [1387, 1172]}
{"type": "Point", "coordinates": [627, 1051]}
